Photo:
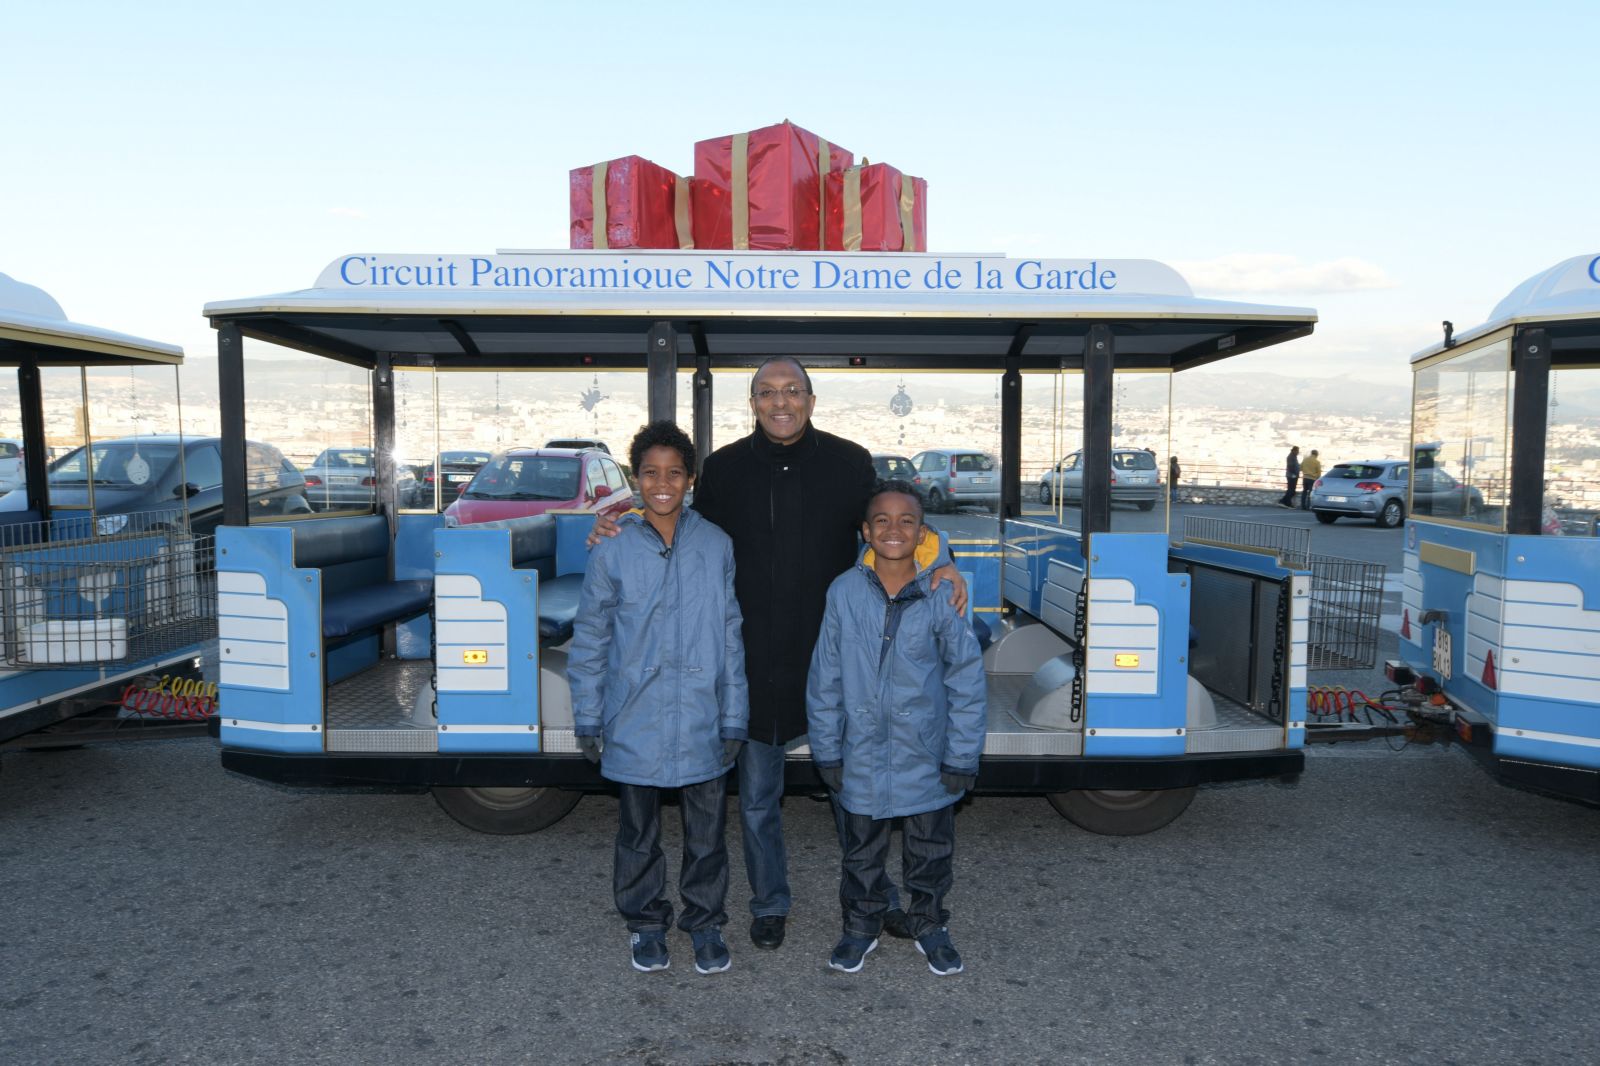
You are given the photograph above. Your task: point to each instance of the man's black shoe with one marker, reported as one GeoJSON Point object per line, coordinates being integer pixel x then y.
{"type": "Point", "coordinates": [894, 923]}
{"type": "Point", "coordinates": [767, 931]}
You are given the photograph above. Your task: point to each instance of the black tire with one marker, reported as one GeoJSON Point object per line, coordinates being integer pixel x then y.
{"type": "Point", "coordinates": [1392, 515]}
{"type": "Point", "coordinates": [1325, 518]}
{"type": "Point", "coordinates": [936, 502]}
{"type": "Point", "coordinates": [507, 811]}
{"type": "Point", "coordinates": [1146, 505]}
{"type": "Point", "coordinates": [1121, 813]}
{"type": "Point", "coordinates": [1044, 493]}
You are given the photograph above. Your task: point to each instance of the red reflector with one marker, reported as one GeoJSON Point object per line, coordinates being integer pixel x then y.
{"type": "Point", "coordinates": [1318, 484]}
{"type": "Point", "coordinates": [368, 481]}
{"type": "Point", "coordinates": [312, 479]}
{"type": "Point", "coordinates": [1369, 486]}
{"type": "Point", "coordinates": [952, 466]}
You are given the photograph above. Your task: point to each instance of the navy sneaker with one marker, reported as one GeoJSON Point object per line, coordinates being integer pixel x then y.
{"type": "Point", "coordinates": [650, 952]}
{"type": "Point", "coordinates": [710, 953]}
{"type": "Point", "coordinates": [943, 958]}
{"type": "Point", "coordinates": [895, 924]}
{"type": "Point", "coordinates": [851, 952]}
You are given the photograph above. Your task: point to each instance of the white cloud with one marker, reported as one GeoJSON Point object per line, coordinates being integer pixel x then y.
{"type": "Point", "coordinates": [1267, 272]}
{"type": "Point", "coordinates": [347, 212]}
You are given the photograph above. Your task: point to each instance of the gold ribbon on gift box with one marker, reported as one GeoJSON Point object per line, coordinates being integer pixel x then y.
{"type": "Point", "coordinates": [680, 207]}
{"type": "Point", "coordinates": [852, 211]}
{"type": "Point", "coordinates": [741, 191]}
{"type": "Point", "coordinates": [824, 154]}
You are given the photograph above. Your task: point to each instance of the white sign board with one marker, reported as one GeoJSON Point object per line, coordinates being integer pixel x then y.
{"type": "Point", "coordinates": [750, 272]}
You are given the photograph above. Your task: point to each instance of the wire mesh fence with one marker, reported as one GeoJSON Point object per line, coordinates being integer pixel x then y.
{"type": "Point", "coordinates": [1292, 545]}
{"type": "Point", "coordinates": [1346, 605]}
{"type": "Point", "coordinates": [83, 590]}
{"type": "Point", "coordinates": [1346, 594]}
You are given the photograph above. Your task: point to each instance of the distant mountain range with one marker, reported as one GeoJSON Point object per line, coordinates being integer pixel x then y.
{"type": "Point", "coordinates": [1577, 393]}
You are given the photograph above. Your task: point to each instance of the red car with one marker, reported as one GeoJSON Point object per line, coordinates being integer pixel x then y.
{"type": "Point", "coordinates": [528, 481]}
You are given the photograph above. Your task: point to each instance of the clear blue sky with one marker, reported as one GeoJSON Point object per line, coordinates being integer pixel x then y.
{"type": "Point", "coordinates": [1390, 164]}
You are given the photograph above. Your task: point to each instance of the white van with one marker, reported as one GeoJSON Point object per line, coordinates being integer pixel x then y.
{"type": "Point", "coordinates": [10, 464]}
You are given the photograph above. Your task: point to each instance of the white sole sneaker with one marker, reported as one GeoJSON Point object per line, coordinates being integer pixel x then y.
{"type": "Point", "coordinates": [857, 967]}
{"type": "Point", "coordinates": [935, 970]}
{"type": "Point", "coordinates": [653, 969]}
{"type": "Point", "coordinates": [724, 968]}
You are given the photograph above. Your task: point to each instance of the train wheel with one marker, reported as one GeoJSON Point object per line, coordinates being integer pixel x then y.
{"type": "Point", "coordinates": [507, 810]}
{"type": "Point", "coordinates": [1121, 813]}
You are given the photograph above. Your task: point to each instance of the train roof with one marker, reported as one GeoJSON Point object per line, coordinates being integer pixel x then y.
{"type": "Point", "coordinates": [32, 323]}
{"type": "Point", "coordinates": [907, 311]}
{"type": "Point", "coordinates": [1565, 299]}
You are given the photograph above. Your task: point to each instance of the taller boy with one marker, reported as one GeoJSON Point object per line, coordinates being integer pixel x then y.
{"type": "Point", "coordinates": [659, 697]}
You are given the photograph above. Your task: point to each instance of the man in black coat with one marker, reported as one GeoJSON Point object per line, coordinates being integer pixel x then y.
{"type": "Point", "coordinates": [791, 498]}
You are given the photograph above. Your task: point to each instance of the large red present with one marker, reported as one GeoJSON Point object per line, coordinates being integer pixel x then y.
{"type": "Point", "coordinates": [763, 189]}
{"type": "Point", "coordinates": [629, 203]}
{"type": "Point", "coordinates": [875, 208]}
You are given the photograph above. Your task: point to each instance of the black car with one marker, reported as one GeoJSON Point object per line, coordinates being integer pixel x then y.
{"type": "Point", "coordinates": [454, 470]}
{"type": "Point", "coordinates": [143, 476]}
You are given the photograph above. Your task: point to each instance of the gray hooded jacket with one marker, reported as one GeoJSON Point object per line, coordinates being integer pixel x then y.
{"type": "Point", "coordinates": [657, 662]}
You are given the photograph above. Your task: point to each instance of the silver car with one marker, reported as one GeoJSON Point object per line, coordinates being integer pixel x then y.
{"type": "Point", "coordinates": [1135, 478]}
{"type": "Point", "coordinates": [1377, 489]}
{"type": "Point", "coordinates": [949, 478]}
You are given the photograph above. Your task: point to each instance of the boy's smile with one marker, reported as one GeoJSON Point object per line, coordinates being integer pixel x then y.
{"type": "Point", "coordinates": [894, 526]}
{"type": "Point", "coordinates": [663, 481]}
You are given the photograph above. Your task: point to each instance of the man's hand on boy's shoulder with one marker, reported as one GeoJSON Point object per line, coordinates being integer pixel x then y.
{"type": "Point", "coordinates": [958, 585]}
{"type": "Point", "coordinates": [604, 526]}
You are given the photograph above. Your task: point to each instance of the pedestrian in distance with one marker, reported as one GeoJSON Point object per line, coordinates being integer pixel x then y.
{"type": "Point", "coordinates": [790, 496]}
{"type": "Point", "coordinates": [1291, 471]}
{"type": "Point", "coordinates": [659, 699]}
{"type": "Point", "coordinates": [1310, 470]}
{"type": "Point", "coordinates": [896, 706]}
{"type": "Point", "coordinates": [1174, 472]}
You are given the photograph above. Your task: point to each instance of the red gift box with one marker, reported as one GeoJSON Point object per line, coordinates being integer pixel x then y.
{"type": "Point", "coordinates": [629, 203]}
{"type": "Point", "coordinates": [763, 189]}
{"type": "Point", "coordinates": [873, 207]}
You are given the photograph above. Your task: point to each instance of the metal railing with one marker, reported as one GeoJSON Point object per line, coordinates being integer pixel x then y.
{"type": "Point", "coordinates": [1291, 544]}
{"type": "Point", "coordinates": [81, 591]}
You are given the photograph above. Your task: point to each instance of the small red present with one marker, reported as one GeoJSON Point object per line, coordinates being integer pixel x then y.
{"type": "Point", "coordinates": [876, 208]}
{"type": "Point", "coordinates": [763, 189]}
{"type": "Point", "coordinates": [629, 203]}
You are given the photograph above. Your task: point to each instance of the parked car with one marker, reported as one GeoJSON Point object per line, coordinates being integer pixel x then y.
{"type": "Point", "coordinates": [142, 475]}
{"type": "Point", "coordinates": [893, 467]}
{"type": "Point", "coordinates": [1376, 489]}
{"type": "Point", "coordinates": [11, 475]}
{"type": "Point", "coordinates": [949, 478]}
{"type": "Point", "coordinates": [579, 443]}
{"type": "Point", "coordinates": [342, 479]}
{"type": "Point", "coordinates": [454, 470]}
{"type": "Point", "coordinates": [529, 481]}
{"type": "Point", "coordinates": [1135, 478]}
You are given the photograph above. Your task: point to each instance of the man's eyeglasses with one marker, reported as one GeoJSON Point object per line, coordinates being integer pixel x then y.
{"type": "Point", "coordinates": [793, 392]}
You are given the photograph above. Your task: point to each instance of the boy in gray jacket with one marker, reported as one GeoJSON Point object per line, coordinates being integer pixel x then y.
{"type": "Point", "coordinates": [659, 699]}
{"type": "Point", "coordinates": [896, 706]}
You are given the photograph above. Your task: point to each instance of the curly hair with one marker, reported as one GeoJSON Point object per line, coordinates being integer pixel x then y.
{"type": "Point", "coordinates": [904, 488]}
{"type": "Point", "coordinates": [662, 434]}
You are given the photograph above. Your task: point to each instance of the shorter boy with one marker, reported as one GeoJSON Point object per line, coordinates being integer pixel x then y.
{"type": "Point", "coordinates": [659, 698]}
{"type": "Point", "coordinates": [897, 714]}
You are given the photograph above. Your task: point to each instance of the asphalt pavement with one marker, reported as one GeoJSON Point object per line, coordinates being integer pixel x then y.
{"type": "Point", "coordinates": [1393, 907]}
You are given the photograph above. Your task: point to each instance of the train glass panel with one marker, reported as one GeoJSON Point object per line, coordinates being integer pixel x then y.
{"type": "Point", "coordinates": [1572, 454]}
{"type": "Point", "coordinates": [1461, 436]}
{"type": "Point", "coordinates": [318, 413]}
{"type": "Point", "coordinates": [1141, 424]}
